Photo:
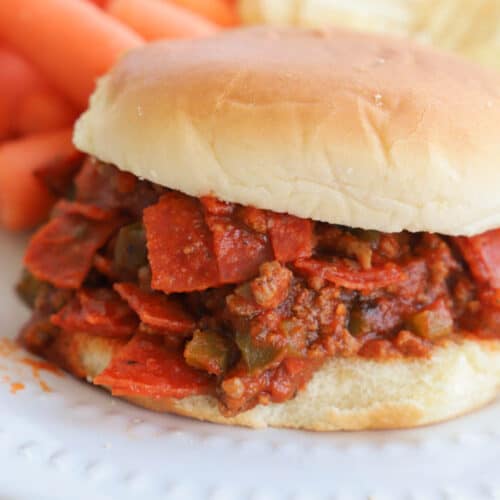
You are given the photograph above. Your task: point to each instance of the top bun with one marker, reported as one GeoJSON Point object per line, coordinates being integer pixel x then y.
{"type": "Point", "coordinates": [353, 129]}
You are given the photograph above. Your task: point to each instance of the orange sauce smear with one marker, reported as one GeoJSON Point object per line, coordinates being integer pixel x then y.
{"type": "Point", "coordinates": [44, 386]}
{"type": "Point", "coordinates": [37, 366]}
{"type": "Point", "coordinates": [8, 347]}
{"type": "Point", "coordinates": [15, 387]}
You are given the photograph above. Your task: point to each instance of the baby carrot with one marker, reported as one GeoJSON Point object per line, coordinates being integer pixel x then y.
{"type": "Point", "coordinates": [158, 20]}
{"type": "Point", "coordinates": [71, 41]}
{"type": "Point", "coordinates": [24, 200]}
{"type": "Point", "coordinates": [220, 12]}
{"type": "Point", "coordinates": [41, 110]}
{"type": "Point", "coordinates": [16, 78]}
{"type": "Point", "coordinates": [27, 103]}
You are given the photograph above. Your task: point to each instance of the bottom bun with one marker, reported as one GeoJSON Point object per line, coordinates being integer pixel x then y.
{"type": "Point", "coordinates": [345, 394]}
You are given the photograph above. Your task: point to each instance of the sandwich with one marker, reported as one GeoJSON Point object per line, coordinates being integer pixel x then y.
{"type": "Point", "coordinates": [278, 227]}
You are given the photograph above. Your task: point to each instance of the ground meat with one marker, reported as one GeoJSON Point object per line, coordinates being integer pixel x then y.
{"type": "Point", "coordinates": [271, 288]}
{"type": "Point", "coordinates": [275, 296]}
{"type": "Point", "coordinates": [408, 343]}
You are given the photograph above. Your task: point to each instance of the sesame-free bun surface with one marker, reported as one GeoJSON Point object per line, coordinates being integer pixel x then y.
{"type": "Point", "coordinates": [346, 393]}
{"type": "Point", "coordinates": [352, 129]}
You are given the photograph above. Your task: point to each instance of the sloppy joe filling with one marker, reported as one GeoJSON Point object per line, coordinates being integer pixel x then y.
{"type": "Point", "coordinates": [208, 297]}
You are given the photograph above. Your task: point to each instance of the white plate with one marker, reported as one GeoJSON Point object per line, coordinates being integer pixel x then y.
{"type": "Point", "coordinates": [77, 443]}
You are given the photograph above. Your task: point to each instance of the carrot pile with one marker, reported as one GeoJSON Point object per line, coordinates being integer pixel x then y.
{"type": "Point", "coordinates": [51, 54]}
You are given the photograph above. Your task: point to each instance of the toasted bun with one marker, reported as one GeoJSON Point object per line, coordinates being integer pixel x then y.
{"type": "Point", "coordinates": [345, 128]}
{"type": "Point", "coordinates": [346, 393]}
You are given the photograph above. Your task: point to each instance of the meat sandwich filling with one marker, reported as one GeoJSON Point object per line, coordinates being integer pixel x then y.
{"type": "Point", "coordinates": [199, 296]}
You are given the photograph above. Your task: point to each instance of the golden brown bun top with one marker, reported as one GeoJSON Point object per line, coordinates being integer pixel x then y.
{"type": "Point", "coordinates": [352, 129]}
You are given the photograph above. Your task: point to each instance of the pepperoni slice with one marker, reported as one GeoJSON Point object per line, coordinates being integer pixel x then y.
{"type": "Point", "coordinates": [155, 309]}
{"type": "Point", "coordinates": [239, 250]}
{"type": "Point", "coordinates": [104, 266]}
{"type": "Point", "coordinates": [61, 252]}
{"type": "Point", "coordinates": [98, 312]}
{"type": "Point", "coordinates": [253, 218]}
{"type": "Point", "coordinates": [482, 254]}
{"type": "Point", "coordinates": [58, 174]}
{"type": "Point", "coordinates": [91, 212]}
{"type": "Point", "coordinates": [346, 276]}
{"type": "Point", "coordinates": [291, 237]}
{"type": "Point", "coordinates": [105, 186]}
{"type": "Point", "coordinates": [145, 367]}
{"type": "Point", "coordinates": [179, 245]}
{"type": "Point", "coordinates": [216, 207]}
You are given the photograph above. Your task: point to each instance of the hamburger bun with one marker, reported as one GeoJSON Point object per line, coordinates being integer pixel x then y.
{"type": "Point", "coordinates": [359, 130]}
{"type": "Point", "coordinates": [345, 394]}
